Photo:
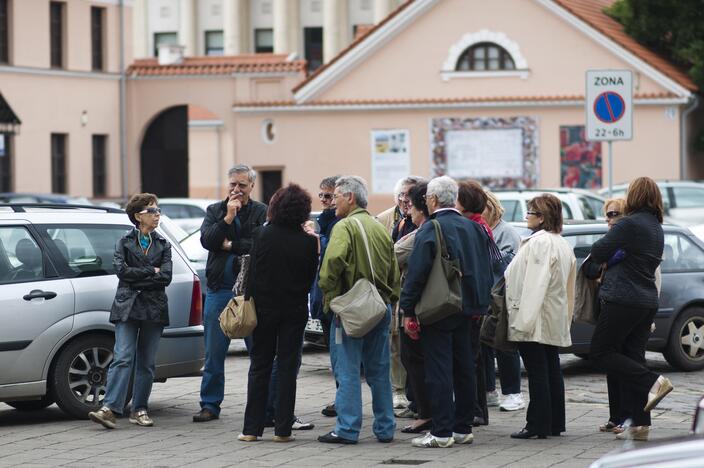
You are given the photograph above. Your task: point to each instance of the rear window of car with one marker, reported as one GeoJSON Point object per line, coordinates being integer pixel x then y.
{"type": "Point", "coordinates": [21, 258]}
{"type": "Point", "coordinates": [512, 210]}
{"type": "Point", "coordinates": [582, 243]}
{"type": "Point", "coordinates": [85, 250]}
{"type": "Point", "coordinates": [175, 211]}
{"type": "Point", "coordinates": [688, 197]}
{"type": "Point", "coordinates": [681, 254]}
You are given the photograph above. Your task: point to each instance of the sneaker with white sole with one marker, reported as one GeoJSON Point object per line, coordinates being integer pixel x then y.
{"type": "Point", "coordinates": [104, 416]}
{"type": "Point", "coordinates": [492, 398]}
{"type": "Point", "coordinates": [513, 402]}
{"type": "Point", "coordinates": [299, 425]}
{"type": "Point", "coordinates": [141, 418]}
{"type": "Point", "coordinates": [463, 438]}
{"type": "Point", "coordinates": [430, 441]}
{"type": "Point", "coordinates": [400, 401]}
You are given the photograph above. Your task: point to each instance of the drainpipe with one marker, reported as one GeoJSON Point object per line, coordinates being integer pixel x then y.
{"type": "Point", "coordinates": [683, 134]}
{"type": "Point", "coordinates": [123, 106]}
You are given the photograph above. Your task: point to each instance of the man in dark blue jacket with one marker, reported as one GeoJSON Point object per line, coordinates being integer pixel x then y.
{"type": "Point", "coordinates": [449, 361]}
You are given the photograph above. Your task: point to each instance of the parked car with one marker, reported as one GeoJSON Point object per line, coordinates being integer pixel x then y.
{"type": "Point", "coordinates": [683, 200]}
{"type": "Point", "coordinates": [576, 203]}
{"type": "Point", "coordinates": [13, 197]}
{"type": "Point", "coordinates": [188, 213]}
{"type": "Point", "coordinates": [57, 284]}
{"type": "Point", "coordinates": [685, 451]}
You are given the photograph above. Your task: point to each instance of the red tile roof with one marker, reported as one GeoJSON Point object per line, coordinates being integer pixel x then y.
{"type": "Point", "coordinates": [222, 65]}
{"type": "Point", "coordinates": [200, 113]}
{"type": "Point", "coordinates": [437, 101]}
{"type": "Point", "coordinates": [589, 11]}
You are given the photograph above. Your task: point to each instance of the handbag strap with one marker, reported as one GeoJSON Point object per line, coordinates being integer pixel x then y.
{"type": "Point", "coordinates": [366, 247]}
{"type": "Point", "coordinates": [440, 238]}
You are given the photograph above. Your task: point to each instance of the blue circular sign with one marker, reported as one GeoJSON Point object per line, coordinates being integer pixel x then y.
{"type": "Point", "coordinates": [609, 107]}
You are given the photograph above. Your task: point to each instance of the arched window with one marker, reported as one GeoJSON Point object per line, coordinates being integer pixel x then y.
{"type": "Point", "coordinates": [485, 56]}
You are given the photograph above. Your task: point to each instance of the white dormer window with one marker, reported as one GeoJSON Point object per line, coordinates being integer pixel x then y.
{"type": "Point", "coordinates": [484, 54]}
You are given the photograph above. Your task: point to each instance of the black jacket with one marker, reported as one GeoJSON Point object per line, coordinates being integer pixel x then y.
{"type": "Point", "coordinates": [141, 292]}
{"type": "Point", "coordinates": [465, 240]}
{"type": "Point", "coordinates": [283, 265]}
{"type": "Point", "coordinates": [215, 230]}
{"type": "Point", "coordinates": [632, 281]}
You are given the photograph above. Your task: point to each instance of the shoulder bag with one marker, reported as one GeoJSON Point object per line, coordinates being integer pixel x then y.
{"type": "Point", "coordinates": [361, 308]}
{"type": "Point", "coordinates": [239, 317]}
{"type": "Point", "coordinates": [442, 294]}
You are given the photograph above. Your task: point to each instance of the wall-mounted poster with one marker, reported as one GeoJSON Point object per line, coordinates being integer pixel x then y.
{"type": "Point", "coordinates": [580, 160]}
{"type": "Point", "coordinates": [390, 158]}
{"type": "Point", "coordinates": [497, 152]}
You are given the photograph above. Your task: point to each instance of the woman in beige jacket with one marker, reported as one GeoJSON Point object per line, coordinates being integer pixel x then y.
{"type": "Point", "coordinates": [540, 300]}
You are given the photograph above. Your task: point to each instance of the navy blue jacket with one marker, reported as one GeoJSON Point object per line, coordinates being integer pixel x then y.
{"type": "Point", "coordinates": [464, 239]}
{"type": "Point", "coordinates": [326, 220]}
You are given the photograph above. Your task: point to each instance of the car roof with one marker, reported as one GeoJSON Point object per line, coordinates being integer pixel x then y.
{"type": "Point", "coordinates": [201, 202]}
{"type": "Point", "coordinates": [661, 183]}
{"type": "Point", "coordinates": [577, 226]}
{"type": "Point", "coordinates": [562, 191]}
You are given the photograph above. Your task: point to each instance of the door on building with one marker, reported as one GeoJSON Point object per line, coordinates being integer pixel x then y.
{"type": "Point", "coordinates": [271, 182]}
{"type": "Point", "coordinates": [164, 154]}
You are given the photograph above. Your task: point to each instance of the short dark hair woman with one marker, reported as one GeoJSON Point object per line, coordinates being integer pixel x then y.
{"type": "Point", "coordinates": [540, 284]}
{"type": "Point", "coordinates": [628, 299]}
{"type": "Point", "coordinates": [283, 265]}
{"type": "Point", "coordinates": [140, 312]}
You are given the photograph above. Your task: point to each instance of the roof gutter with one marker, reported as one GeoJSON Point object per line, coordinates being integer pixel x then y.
{"type": "Point", "coordinates": [683, 135]}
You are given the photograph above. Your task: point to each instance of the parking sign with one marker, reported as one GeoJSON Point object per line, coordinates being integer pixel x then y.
{"type": "Point", "coordinates": [609, 105]}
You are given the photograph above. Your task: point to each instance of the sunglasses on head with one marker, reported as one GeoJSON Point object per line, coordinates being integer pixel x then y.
{"type": "Point", "coordinates": [151, 210]}
{"type": "Point", "coordinates": [613, 214]}
{"type": "Point", "coordinates": [325, 196]}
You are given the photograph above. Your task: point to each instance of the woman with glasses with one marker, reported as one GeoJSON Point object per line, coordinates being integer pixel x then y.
{"type": "Point", "coordinates": [140, 312]}
{"type": "Point", "coordinates": [540, 286]}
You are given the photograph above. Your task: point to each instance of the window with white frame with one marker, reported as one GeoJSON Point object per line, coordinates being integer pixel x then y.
{"type": "Point", "coordinates": [485, 56]}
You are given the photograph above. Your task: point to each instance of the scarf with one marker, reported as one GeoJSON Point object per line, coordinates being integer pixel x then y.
{"type": "Point", "coordinates": [477, 218]}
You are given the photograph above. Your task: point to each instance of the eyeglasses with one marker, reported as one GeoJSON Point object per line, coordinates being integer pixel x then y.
{"type": "Point", "coordinates": [534, 213]}
{"type": "Point", "coordinates": [151, 210]}
{"type": "Point", "coordinates": [325, 196]}
{"type": "Point", "coordinates": [428, 196]}
{"type": "Point", "coordinates": [403, 196]}
{"type": "Point", "coordinates": [613, 214]}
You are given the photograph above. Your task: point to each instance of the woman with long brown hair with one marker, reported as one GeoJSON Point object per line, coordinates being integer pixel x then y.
{"type": "Point", "coordinates": [628, 300]}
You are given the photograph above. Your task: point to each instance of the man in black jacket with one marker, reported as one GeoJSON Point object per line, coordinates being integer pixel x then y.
{"type": "Point", "coordinates": [226, 233]}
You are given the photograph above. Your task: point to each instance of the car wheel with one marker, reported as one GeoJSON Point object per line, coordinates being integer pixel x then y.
{"type": "Point", "coordinates": [80, 374]}
{"type": "Point", "coordinates": [685, 347]}
{"type": "Point", "coordinates": [32, 405]}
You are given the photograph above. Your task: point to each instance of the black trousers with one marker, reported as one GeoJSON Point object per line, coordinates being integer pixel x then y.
{"type": "Point", "coordinates": [449, 369]}
{"type": "Point", "coordinates": [279, 333]}
{"type": "Point", "coordinates": [546, 410]}
{"type": "Point", "coordinates": [618, 348]}
{"type": "Point", "coordinates": [414, 363]}
{"type": "Point", "coordinates": [480, 406]}
{"type": "Point", "coordinates": [619, 409]}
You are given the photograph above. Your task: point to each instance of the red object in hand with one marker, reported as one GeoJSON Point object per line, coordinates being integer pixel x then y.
{"type": "Point", "coordinates": [413, 328]}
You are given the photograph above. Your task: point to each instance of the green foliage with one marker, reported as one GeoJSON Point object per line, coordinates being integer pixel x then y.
{"type": "Point", "coordinates": [673, 28]}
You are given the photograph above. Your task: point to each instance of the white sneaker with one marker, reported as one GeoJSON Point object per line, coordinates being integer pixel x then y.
{"type": "Point", "coordinates": [400, 401]}
{"type": "Point", "coordinates": [492, 398]}
{"type": "Point", "coordinates": [430, 441]}
{"type": "Point", "coordinates": [463, 438]}
{"type": "Point", "coordinates": [513, 402]}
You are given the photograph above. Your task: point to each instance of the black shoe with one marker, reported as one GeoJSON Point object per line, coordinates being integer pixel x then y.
{"type": "Point", "coordinates": [329, 411]}
{"type": "Point", "coordinates": [332, 438]}
{"type": "Point", "coordinates": [556, 433]}
{"type": "Point", "coordinates": [205, 415]}
{"type": "Point", "coordinates": [526, 434]}
{"type": "Point", "coordinates": [385, 441]}
{"type": "Point", "coordinates": [426, 426]}
{"type": "Point", "coordinates": [478, 421]}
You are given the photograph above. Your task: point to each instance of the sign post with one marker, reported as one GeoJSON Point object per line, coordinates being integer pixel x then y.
{"type": "Point", "coordinates": [609, 108]}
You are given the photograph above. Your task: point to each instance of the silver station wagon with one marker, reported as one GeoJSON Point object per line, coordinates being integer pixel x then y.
{"type": "Point", "coordinates": [57, 284]}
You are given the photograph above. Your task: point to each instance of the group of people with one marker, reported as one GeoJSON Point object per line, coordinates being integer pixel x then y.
{"type": "Point", "coordinates": [436, 373]}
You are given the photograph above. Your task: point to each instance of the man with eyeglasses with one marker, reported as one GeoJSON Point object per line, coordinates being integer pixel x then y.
{"type": "Point", "coordinates": [226, 233]}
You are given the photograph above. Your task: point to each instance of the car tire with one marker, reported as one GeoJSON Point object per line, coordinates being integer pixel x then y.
{"type": "Point", "coordinates": [686, 329]}
{"type": "Point", "coordinates": [32, 405]}
{"type": "Point", "coordinates": [79, 374]}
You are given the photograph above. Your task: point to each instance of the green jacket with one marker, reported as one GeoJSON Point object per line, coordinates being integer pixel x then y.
{"type": "Point", "coordinates": [346, 260]}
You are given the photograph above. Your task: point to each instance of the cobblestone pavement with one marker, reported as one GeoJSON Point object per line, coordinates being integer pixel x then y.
{"type": "Point", "coordinates": [49, 438]}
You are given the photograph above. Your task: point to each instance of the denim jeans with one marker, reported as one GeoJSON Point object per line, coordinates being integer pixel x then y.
{"type": "Point", "coordinates": [136, 342]}
{"type": "Point", "coordinates": [346, 355]}
{"type": "Point", "coordinates": [212, 386]}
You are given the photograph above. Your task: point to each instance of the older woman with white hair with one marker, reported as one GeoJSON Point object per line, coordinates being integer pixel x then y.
{"type": "Point", "coordinates": [449, 361]}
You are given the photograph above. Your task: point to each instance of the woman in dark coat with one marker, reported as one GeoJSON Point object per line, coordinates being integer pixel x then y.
{"type": "Point", "coordinates": [628, 299]}
{"type": "Point", "coordinates": [140, 312]}
{"type": "Point", "coordinates": [283, 265]}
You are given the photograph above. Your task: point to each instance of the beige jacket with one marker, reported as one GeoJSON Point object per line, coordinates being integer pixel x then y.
{"type": "Point", "coordinates": [389, 218]}
{"type": "Point", "coordinates": [540, 286]}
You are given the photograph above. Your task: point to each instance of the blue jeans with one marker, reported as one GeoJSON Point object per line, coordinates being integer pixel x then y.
{"type": "Point", "coordinates": [346, 355]}
{"type": "Point", "coordinates": [136, 342]}
{"type": "Point", "coordinates": [212, 386]}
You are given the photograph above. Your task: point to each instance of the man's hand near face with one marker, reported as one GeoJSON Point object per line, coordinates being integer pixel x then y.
{"type": "Point", "coordinates": [233, 206]}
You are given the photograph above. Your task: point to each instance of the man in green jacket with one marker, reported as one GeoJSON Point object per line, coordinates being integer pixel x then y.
{"type": "Point", "coordinates": [345, 262]}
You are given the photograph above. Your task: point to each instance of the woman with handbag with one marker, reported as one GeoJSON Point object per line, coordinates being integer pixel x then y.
{"type": "Point", "coordinates": [283, 264]}
{"type": "Point", "coordinates": [540, 285]}
{"type": "Point", "coordinates": [411, 346]}
{"type": "Point", "coordinates": [140, 312]}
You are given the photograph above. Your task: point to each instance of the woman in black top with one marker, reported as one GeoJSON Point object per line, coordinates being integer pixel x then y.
{"type": "Point", "coordinates": [629, 300]}
{"type": "Point", "coordinates": [283, 266]}
{"type": "Point", "coordinates": [140, 312]}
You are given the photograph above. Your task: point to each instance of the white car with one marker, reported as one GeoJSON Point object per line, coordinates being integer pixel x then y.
{"type": "Point", "coordinates": [188, 213]}
{"type": "Point", "coordinates": [576, 203]}
{"type": "Point", "coordinates": [683, 200]}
